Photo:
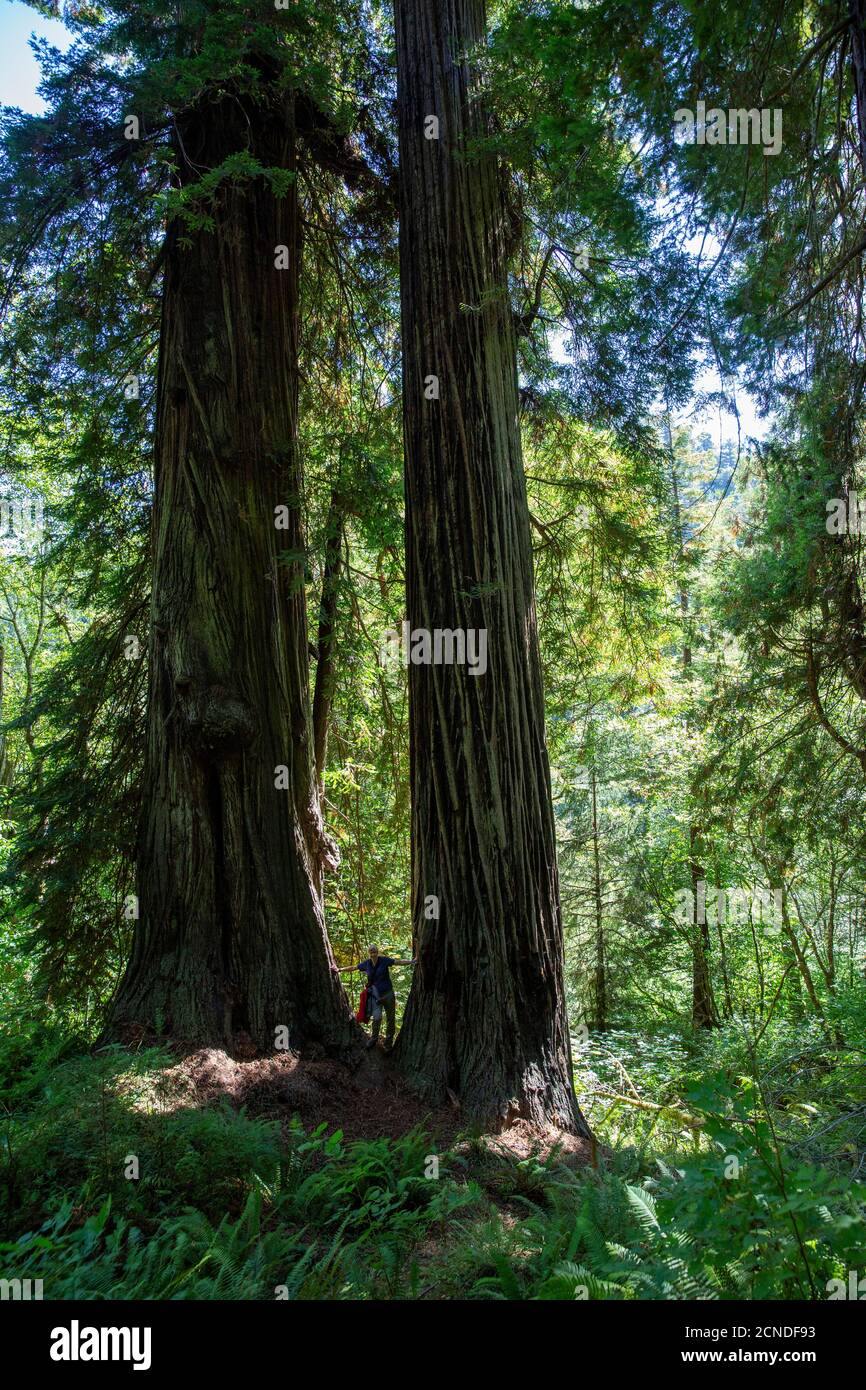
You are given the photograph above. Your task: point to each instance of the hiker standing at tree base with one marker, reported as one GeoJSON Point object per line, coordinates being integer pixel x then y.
{"type": "Point", "coordinates": [376, 968]}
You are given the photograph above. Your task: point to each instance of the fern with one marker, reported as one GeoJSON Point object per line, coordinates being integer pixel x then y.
{"type": "Point", "coordinates": [644, 1207]}
{"type": "Point", "coordinates": [571, 1281]}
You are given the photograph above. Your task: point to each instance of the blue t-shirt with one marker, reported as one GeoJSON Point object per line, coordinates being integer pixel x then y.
{"type": "Point", "coordinates": [377, 975]}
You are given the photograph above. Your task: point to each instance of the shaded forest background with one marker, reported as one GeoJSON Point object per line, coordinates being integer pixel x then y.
{"type": "Point", "coordinates": [702, 636]}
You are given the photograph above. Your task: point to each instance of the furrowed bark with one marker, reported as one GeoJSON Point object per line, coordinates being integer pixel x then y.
{"type": "Point", "coordinates": [486, 1016]}
{"type": "Point", "coordinates": [231, 936]}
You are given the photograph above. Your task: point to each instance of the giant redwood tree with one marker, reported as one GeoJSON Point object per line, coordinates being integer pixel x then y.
{"type": "Point", "coordinates": [486, 1017]}
{"type": "Point", "coordinates": [231, 934]}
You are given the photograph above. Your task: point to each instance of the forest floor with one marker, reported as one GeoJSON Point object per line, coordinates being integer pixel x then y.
{"type": "Point", "coordinates": [333, 1181]}
{"type": "Point", "coordinates": [365, 1098]}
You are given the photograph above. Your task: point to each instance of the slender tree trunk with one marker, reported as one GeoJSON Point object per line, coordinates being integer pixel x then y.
{"type": "Point", "coordinates": [486, 1017]}
{"type": "Point", "coordinates": [3, 758]}
{"type": "Point", "coordinates": [723, 955]}
{"type": "Point", "coordinates": [231, 937]}
{"type": "Point", "coordinates": [833, 1034]}
{"type": "Point", "coordinates": [323, 694]}
{"type": "Point", "coordinates": [794, 980]}
{"type": "Point", "coordinates": [704, 1013]}
{"type": "Point", "coordinates": [600, 991]}
{"type": "Point", "coordinates": [830, 934]}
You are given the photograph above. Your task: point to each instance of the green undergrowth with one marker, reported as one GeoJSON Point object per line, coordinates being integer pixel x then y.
{"type": "Point", "coordinates": [114, 1186]}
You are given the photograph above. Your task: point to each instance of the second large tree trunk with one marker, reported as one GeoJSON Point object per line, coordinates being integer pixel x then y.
{"type": "Point", "coordinates": [231, 936]}
{"type": "Point", "coordinates": [486, 1017]}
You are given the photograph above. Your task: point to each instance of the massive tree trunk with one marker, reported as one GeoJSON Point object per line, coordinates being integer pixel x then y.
{"type": "Point", "coordinates": [231, 936]}
{"type": "Point", "coordinates": [486, 1017]}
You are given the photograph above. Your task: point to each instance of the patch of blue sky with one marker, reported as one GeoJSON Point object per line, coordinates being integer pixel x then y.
{"type": "Point", "coordinates": [19, 71]}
